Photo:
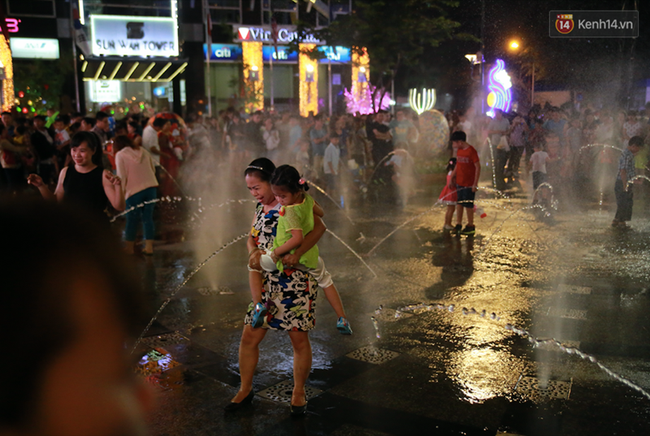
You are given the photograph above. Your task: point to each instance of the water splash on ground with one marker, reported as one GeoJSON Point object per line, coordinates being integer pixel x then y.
{"type": "Point", "coordinates": [179, 287]}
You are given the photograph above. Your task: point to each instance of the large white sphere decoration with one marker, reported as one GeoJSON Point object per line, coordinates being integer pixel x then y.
{"type": "Point", "coordinates": [434, 131]}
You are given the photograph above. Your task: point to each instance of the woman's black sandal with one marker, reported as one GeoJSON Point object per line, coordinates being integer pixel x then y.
{"type": "Point", "coordinates": [232, 406]}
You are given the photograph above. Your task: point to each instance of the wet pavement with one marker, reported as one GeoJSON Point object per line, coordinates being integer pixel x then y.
{"type": "Point", "coordinates": [431, 370]}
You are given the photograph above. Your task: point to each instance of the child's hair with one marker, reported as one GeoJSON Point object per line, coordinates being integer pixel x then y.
{"type": "Point", "coordinates": [261, 168]}
{"type": "Point", "coordinates": [289, 177]}
{"type": "Point", "coordinates": [458, 135]}
{"type": "Point", "coordinates": [451, 165]}
{"type": "Point", "coordinates": [636, 140]}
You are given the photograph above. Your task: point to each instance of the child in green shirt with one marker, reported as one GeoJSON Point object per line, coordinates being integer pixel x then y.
{"type": "Point", "coordinates": [296, 220]}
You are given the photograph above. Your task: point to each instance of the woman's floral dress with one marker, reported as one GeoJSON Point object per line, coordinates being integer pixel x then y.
{"type": "Point", "coordinates": [290, 296]}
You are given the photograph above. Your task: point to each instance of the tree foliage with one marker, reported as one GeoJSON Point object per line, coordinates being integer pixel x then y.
{"type": "Point", "coordinates": [395, 34]}
{"type": "Point", "coordinates": [41, 81]}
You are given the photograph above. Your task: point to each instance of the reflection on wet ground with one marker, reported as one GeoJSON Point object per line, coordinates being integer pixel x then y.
{"type": "Point", "coordinates": [431, 371]}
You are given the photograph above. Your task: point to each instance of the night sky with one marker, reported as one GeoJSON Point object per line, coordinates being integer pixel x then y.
{"type": "Point", "coordinates": [587, 63]}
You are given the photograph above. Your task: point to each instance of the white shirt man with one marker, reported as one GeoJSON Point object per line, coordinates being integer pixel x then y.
{"type": "Point", "coordinates": [150, 142]}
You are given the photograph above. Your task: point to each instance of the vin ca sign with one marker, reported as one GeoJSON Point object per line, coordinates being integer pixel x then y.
{"type": "Point", "coordinates": [133, 36]}
{"type": "Point", "coordinates": [264, 34]}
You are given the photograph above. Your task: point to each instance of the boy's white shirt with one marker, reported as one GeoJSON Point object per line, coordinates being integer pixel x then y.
{"type": "Point", "coordinates": [332, 154]}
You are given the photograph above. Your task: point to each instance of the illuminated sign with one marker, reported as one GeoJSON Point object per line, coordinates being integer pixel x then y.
{"type": "Point", "coordinates": [105, 91]}
{"type": "Point", "coordinates": [12, 25]}
{"type": "Point", "coordinates": [264, 34]}
{"type": "Point", "coordinates": [224, 52]}
{"type": "Point", "coordinates": [336, 54]}
{"type": "Point", "coordinates": [500, 96]}
{"type": "Point", "coordinates": [283, 54]}
{"type": "Point", "coordinates": [34, 48]}
{"type": "Point", "coordinates": [133, 36]}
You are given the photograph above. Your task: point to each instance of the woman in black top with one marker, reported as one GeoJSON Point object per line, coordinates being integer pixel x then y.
{"type": "Point", "coordinates": [84, 183]}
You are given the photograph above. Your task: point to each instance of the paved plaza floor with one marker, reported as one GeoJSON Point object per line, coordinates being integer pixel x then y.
{"type": "Point", "coordinates": [464, 369]}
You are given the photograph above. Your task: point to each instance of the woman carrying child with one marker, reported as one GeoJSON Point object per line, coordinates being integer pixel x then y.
{"type": "Point", "coordinates": [288, 296]}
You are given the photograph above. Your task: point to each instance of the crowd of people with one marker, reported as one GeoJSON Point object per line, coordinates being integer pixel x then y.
{"type": "Point", "coordinates": [341, 153]}
{"type": "Point", "coordinates": [568, 151]}
{"type": "Point", "coordinates": [323, 148]}
{"type": "Point", "coordinates": [576, 141]}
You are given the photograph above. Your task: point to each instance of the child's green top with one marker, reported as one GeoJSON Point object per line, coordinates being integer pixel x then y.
{"type": "Point", "coordinates": [297, 216]}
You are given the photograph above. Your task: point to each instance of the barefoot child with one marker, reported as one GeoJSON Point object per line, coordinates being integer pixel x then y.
{"type": "Point", "coordinates": [448, 195]}
{"type": "Point", "coordinates": [296, 220]}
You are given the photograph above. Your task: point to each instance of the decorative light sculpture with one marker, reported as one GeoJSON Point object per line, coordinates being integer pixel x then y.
{"type": "Point", "coordinates": [360, 74]}
{"type": "Point", "coordinates": [253, 75]}
{"type": "Point", "coordinates": [8, 97]}
{"type": "Point", "coordinates": [363, 103]}
{"type": "Point", "coordinates": [308, 81]}
{"type": "Point", "coordinates": [499, 83]}
{"type": "Point", "coordinates": [422, 102]}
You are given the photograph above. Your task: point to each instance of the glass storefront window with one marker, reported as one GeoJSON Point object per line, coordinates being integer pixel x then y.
{"type": "Point", "coordinates": [122, 98]}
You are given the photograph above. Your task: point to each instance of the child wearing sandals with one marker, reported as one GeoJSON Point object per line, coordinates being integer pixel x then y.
{"type": "Point", "coordinates": [295, 221]}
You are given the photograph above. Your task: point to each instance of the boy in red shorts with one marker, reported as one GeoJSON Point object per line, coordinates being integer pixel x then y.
{"type": "Point", "coordinates": [467, 172]}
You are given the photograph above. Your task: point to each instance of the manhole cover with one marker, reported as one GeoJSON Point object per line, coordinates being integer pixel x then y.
{"type": "Point", "coordinates": [563, 312]}
{"type": "Point", "coordinates": [570, 289]}
{"type": "Point", "coordinates": [373, 355]}
{"type": "Point", "coordinates": [530, 388]}
{"type": "Point", "coordinates": [281, 392]}
{"type": "Point", "coordinates": [163, 340]}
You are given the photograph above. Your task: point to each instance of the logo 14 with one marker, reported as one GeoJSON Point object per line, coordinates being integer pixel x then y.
{"type": "Point", "coordinates": [564, 23]}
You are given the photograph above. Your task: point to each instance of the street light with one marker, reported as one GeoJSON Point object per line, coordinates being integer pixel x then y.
{"type": "Point", "coordinates": [514, 46]}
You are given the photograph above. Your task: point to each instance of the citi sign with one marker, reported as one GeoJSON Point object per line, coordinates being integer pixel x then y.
{"type": "Point", "coordinates": [260, 34]}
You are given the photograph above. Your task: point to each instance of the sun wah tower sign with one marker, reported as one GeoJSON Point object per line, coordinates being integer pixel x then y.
{"type": "Point", "coordinates": [134, 36]}
{"type": "Point", "coordinates": [499, 84]}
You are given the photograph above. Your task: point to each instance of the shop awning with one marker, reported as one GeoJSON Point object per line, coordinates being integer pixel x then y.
{"type": "Point", "coordinates": [132, 69]}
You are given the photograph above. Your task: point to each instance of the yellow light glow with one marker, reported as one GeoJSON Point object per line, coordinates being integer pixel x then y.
{"type": "Point", "coordinates": [128, 75]}
{"type": "Point", "coordinates": [514, 45]}
{"type": "Point", "coordinates": [8, 96]}
{"type": "Point", "coordinates": [115, 70]}
{"type": "Point", "coordinates": [149, 68]}
{"type": "Point", "coordinates": [491, 99]}
{"type": "Point", "coordinates": [254, 87]}
{"type": "Point", "coordinates": [177, 72]}
{"type": "Point", "coordinates": [159, 75]}
{"type": "Point", "coordinates": [99, 70]}
{"type": "Point", "coordinates": [308, 90]}
{"type": "Point", "coordinates": [360, 69]}
{"type": "Point", "coordinates": [252, 57]}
